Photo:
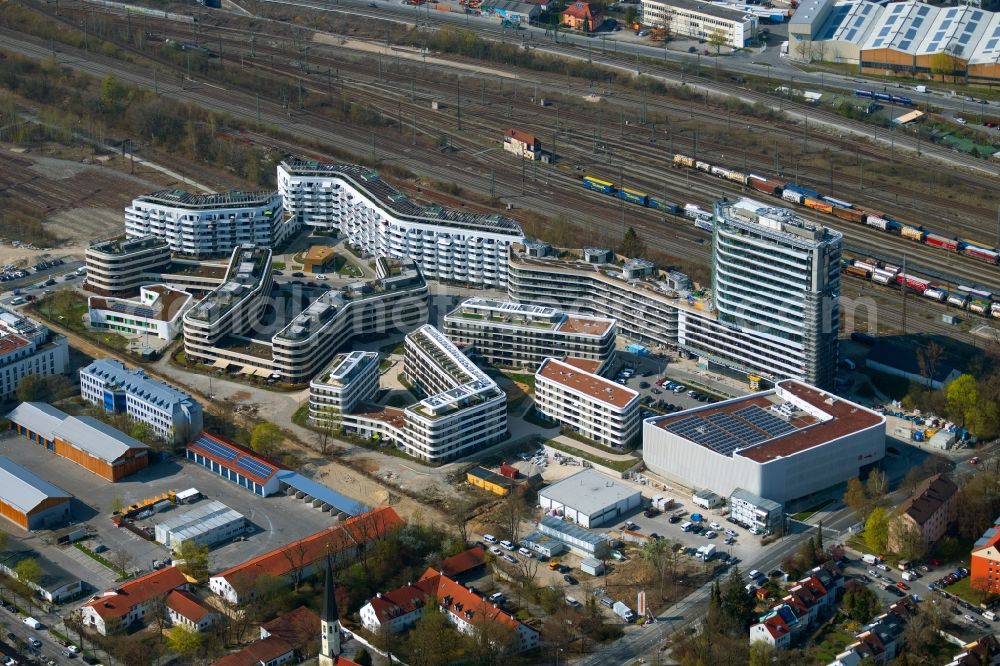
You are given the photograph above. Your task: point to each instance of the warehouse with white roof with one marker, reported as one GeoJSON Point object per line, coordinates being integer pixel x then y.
{"type": "Point", "coordinates": [589, 499]}
{"type": "Point", "coordinates": [207, 524]}
{"type": "Point", "coordinates": [911, 38]}
{"type": "Point", "coordinates": [29, 500]}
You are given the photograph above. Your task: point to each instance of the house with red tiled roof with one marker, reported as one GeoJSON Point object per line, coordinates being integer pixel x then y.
{"type": "Point", "coordinates": [296, 627]}
{"type": "Point", "coordinates": [773, 630]}
{"type": "Point", "coordinates": [806, 603]}
{"type": "Point", "coordinates": [399, 609]}
{"type": "Point", "coordinates": [466, 561]}
{"type": "Point", "coordinates": [344, 542]}
{"type": "Point", "coordinates": [268, 652]}
{"type": "Point", "coordinates": [183, 608]}
{"type": "Point", "coordinates": [926, 514]}
{"type": "Point", "coordinates": [133, 602]}
{"type": "Point", "coordinates": [583, 16]}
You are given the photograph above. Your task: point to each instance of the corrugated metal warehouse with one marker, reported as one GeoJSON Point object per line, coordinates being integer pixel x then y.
{"type": "Point", "coordinates": [29, 500]}
{"type": "Point", "coordinates": [92, 444]}
{"type": "Point", "coordinates": [590, 498]}
{"type": "Point", "coordinates": [207, 524]}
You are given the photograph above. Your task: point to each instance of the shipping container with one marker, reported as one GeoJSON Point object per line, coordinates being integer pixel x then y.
{"type": "Point", "coordinates": [683, 160]}
{"type": "Point", "coordinates": [765, 186]}
{"type": "Point", "coordinates": [840, 203]}
{"type": "Point", "coordinates": [633, 196]}
{"type": "Point", "coordinates": [598, 185]}
{"type": "Point", "coordinates": [702, 223]}
{"type": "Point", "coordinates": [858, 271]}
{"type": "Point", "coordinates": [942, 242]}
{"type": "Point", "coordinates": [818, 204]}
{"type": "Point", "coordinates": [792, 195]}
{"type": "Point", "coordinates": [912, 233]}
{"type": "Point", "coordinates": [849, 214]}
{"type": "Point", "coordinates": [737, 177]}
{"type": "Point", "coordinates": [881, 278]}
{"type": "Point", "coordinates": [977, 293]}
{"type": "Point", "coordinates": [721, 172]}
{"type": "Point", "coordinates": [694, 212]}
{"type": "Point", "coordinates": [980, 253]}
{"type": "Point", "coordinates": [703, 166]}
{"type": "Point", "coordinates": [877, 222]}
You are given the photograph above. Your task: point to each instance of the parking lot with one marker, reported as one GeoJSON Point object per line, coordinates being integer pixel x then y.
{"type": "Point", "coordinates": [276, 520]}
{"type": "Point", "coordinates": [648, 373]}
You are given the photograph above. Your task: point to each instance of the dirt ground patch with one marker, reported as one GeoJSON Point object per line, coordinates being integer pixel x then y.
{"type": "Point", "coordinates": [73, 197]}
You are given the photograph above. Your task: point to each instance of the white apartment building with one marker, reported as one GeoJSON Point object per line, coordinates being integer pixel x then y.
{"type": "Point", "coordinates": [206, 225]}
{"type": "Point", "coordinates": [509, 334]}
{"type": "Point", "coordinates": [119, 267]}
{"type": "Point", "coordinates": [158, 311]}
{"type": "Point", "coordinates": [596, 408]}
{"type": "Point", "coordinates": [173, 415]}
{"type": "Point", "coordinates": [28, 348]}
{"type": "Point", "coordinates": [755, 512]}
{"type": "Point", "coordinates": [654, 311]}
{"type": "Point", "coordinates": [351, 379]}
{"type": "Point", "coordinates": [395, 301]}
{"type": "Point", "coordinates": [464, 409]}
{"type": "Point", "coordinates": [383, 222]}
{"type": "Point", "coordinates": [778, 276]}
{"type": "Point", "coordinates": [700, 20]}
{"type": "Point", "coordinates": [231, 310]}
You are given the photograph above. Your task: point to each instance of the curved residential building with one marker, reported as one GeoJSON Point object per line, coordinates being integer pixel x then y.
{"type": "Point", "coordinates": [230, 310]}
{"type": "Point", "coordinates": [396, 301]}
{"type": "Point", "coordinates": [379, 220]}
{"type": "Point", "coordinates": [207, 225]}
{"type": "Point", "coordinates": [119, 267]}
{"type": "Point", "coordinates": [220, 329]}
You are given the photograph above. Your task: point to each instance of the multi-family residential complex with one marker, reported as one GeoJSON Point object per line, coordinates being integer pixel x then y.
{"type": "Point", "coordinates": [779, 276]}
{"type": "Point", "coordinates": [808, 602]}
{"type": "Point", "coordinates": [759, 253]}
{"type": "Point", "coordinates": [701, 20]}
{"type": "Point", "coordinates": [985, 567]}
{"type": "Point", "coordinates": [119, 267]}
{"type": "Point", "coordinates": [504, 333]}
{"type": "Point", "coordinates": [207, 225]}
{"type": "Point", "coordinates": [127, 604]}
{"type": "Point", "coordinates": [926, 515]}
{"type": "Point", "coordinates": [383, 222]}
{"type": "Point", "coordinates": [27, 348]}
{"type": "Point", "coordinates": [781, 444]}
{"type": "Point", "coordinates": [351, 379]}
{"type": "Point", "coordinates": [395, 301]}
{"type": "Point", "coordinates": [590, 405]}
{"type": "Point", "coordinates": [232, 309]}
{"type": "Point", "coordinates": [464, 409]}
{"type": "Point", "coordinates": [219, 329]}
{"type": "Point", "coordinates": [172, 415]}
{"type": "Point", "coordinates": [397, 610]}
{"type": "Point", "coordinates": [157, 311]}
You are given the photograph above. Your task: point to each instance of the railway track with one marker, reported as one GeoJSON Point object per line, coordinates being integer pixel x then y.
{"type": "Point", "coordinates": [681, 244]}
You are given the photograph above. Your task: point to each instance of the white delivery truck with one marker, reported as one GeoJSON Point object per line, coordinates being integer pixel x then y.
{"type": "Point", "coordinates": [624, 612]}
{"type": "Point", "coordinates": [33, 623]}
{"type": "Point", "coordinates": [871, 559]}
{"type": "Point", "coordinates": [909, 576]}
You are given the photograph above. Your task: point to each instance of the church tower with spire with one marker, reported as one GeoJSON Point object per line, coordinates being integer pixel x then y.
{"type": "Point", "coordinates": [329, 622]}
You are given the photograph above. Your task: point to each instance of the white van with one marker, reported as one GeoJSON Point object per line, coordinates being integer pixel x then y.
{"type": "Point", "coordinates": [489, 538]}
{"type": "Point", "coordinates": [507, 544]}
{"type": "Point", "coordinates": [33, 623]}
{"type": "Point", "coordinates": [686, 527]}
{"type": "Point", "coordinates": [754, 574]}
{"type": "Point", "coordinates": [990, 615]}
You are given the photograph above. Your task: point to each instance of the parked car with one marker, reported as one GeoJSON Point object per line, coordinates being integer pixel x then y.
{"type": "Point", "coordinates": [715, 526]}
{"type": "Point", "coordinates": [680, 389]}
{"type": "Point", "coordinates": [298, 274]}
{"type": "Point", "coordinates": [903, 586]}
{"type": "Point", "coordinates": [569, 579]}
{"type": "Point", "coordinates": [510, 558]}
{"type": "Point", "coordinates": [496, 551]}
{"type": "Point", "coordinates": [873, 574]}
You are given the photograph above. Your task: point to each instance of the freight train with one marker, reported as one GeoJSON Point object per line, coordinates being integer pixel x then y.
{"type": "Point", "coordinates": [974, 300]}
{"type": "Point", "coordinates": [884, 97]}
{"type": "Point", "coordinates": [844, 210]}
{"type": "Point", "coordinates": [629, 195]}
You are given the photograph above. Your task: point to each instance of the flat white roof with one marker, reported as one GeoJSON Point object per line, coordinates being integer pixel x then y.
{"type": "Point", "coordinates": [588, 491]}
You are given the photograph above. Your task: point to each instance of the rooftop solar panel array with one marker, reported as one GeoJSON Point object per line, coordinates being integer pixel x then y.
{"type": "Point", "coordinates": [725, 432]}
{"type": "Point", "coordinates": [774, 426]}
{"type": "Point", "coordinates": [217, 449]}
{"type": "Point", "coordinates": [255, 467]}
